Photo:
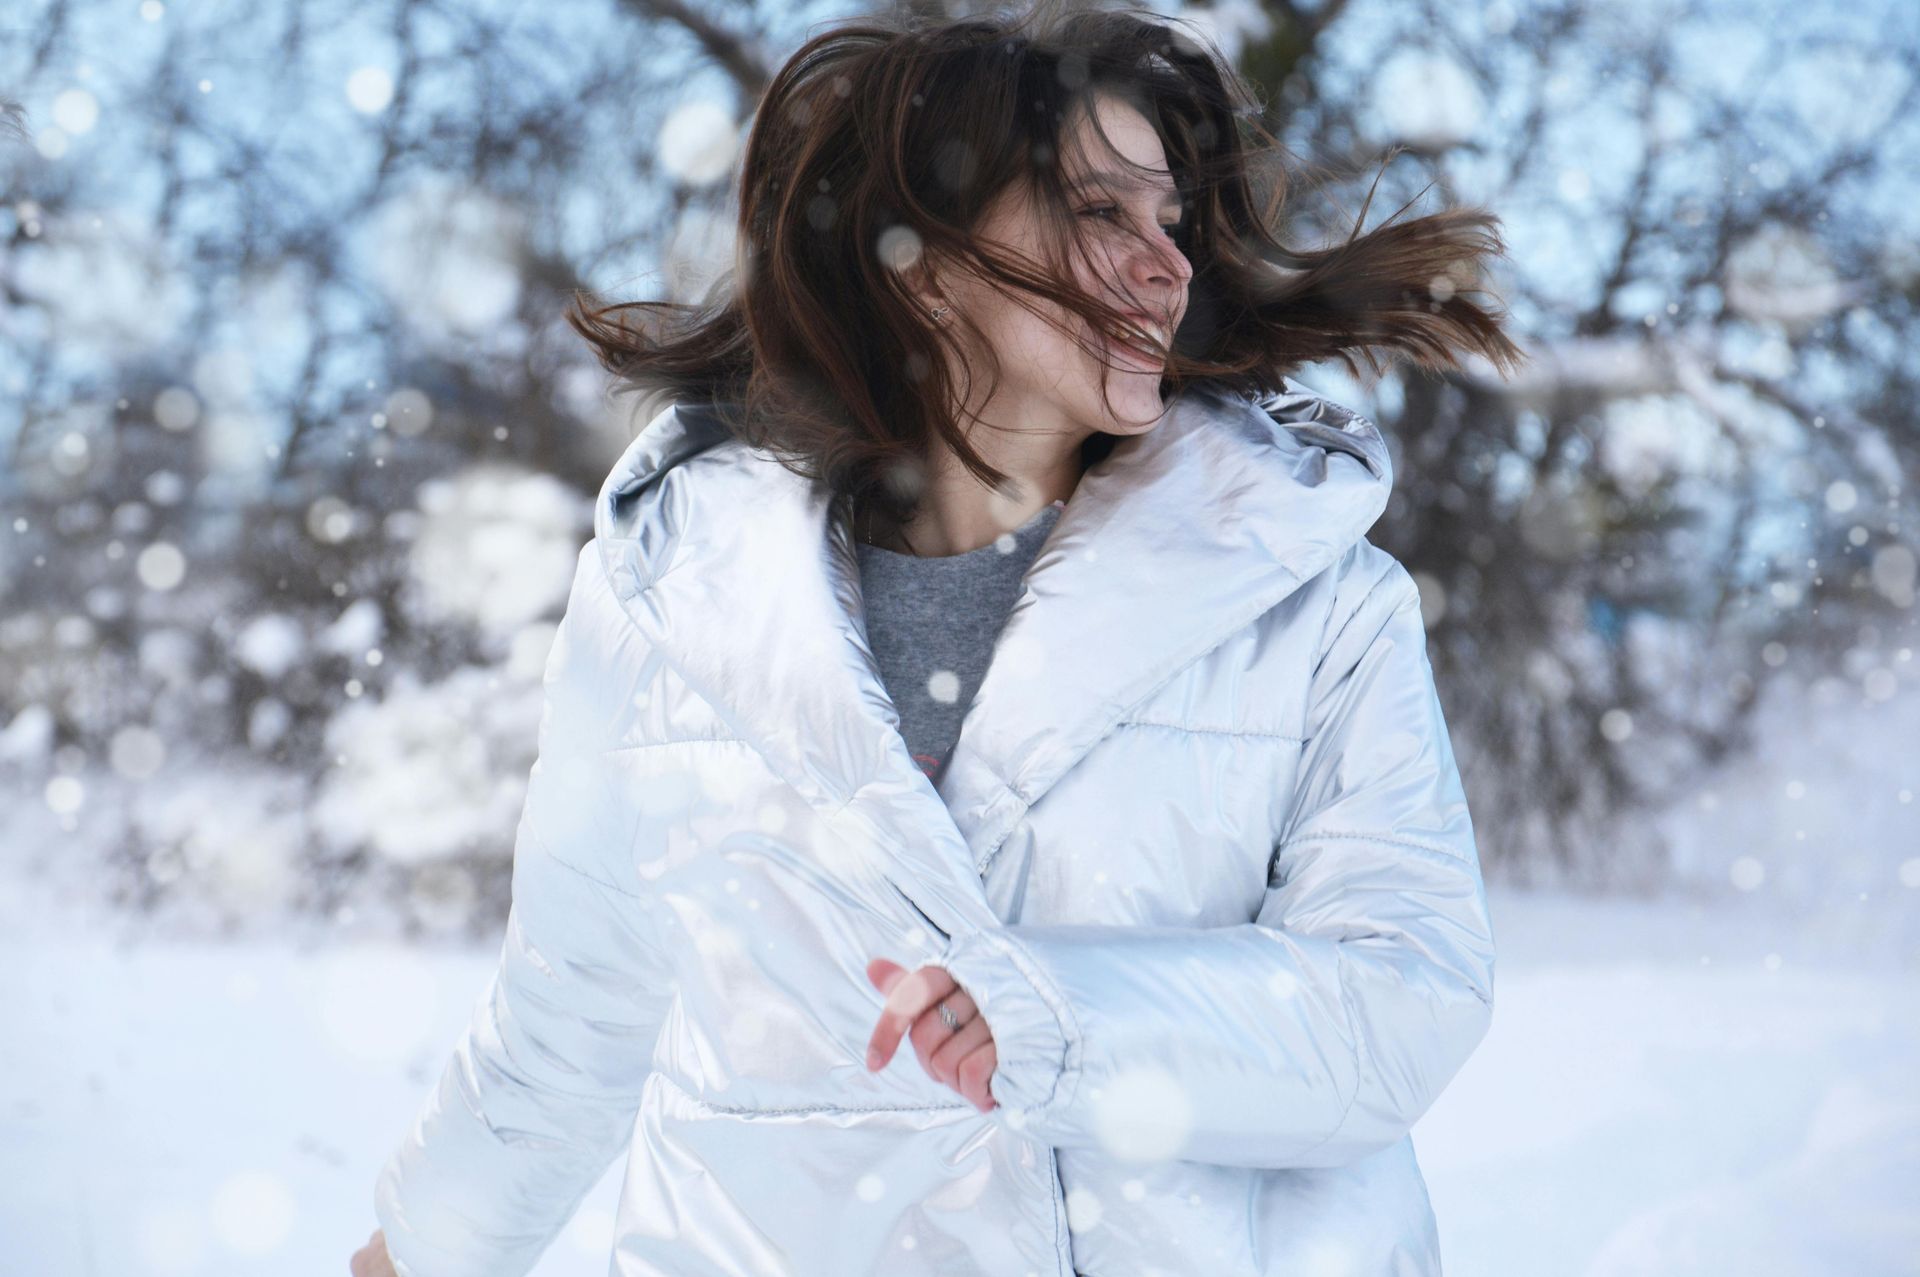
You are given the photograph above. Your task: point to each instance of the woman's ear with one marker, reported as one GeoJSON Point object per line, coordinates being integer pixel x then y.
{"type": "Point", "coordinates": [923, 275]}
{"type": "Point", "coordinates": [928, 293]}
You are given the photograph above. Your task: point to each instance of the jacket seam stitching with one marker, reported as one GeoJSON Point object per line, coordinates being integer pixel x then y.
{"type": "Point", "coordinates": [1169, 670]}
{"type": "Point", "coordinates": [1026, 805]}
{"type": "Point", "coordinates": [678, 740]}
{"type": "Point", "coordinates": [1448, 854]}
{"type": "Point", "coordinates": [1209, 731]}
{"type": "Point", "coordinates": [742, 1110]}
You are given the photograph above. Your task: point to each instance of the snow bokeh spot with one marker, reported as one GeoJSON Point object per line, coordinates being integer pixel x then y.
{"type": "Point", "coordinates": [160, 566]}
{"type": "Point", "coordinates": [270, 644]}
{"type": "Point", "coordinates": [944, 686]}
{"type": "Point", "coordinates": [369, 90]}
{"type": "Point", "coordinates": [408, 411]}
{"type": "Point", "coordinates": [697, 142]}
{"type": "Point", "coordinates": [175, 408]}
{"type": "Point", "coordinates": [1894, 572]}
{"type": "Point", "coordinates": [65, 795]}
{"type": "Point", "coordinates": [898, 247]}
{"type": "Point", "coordinates": [1143, 1115]}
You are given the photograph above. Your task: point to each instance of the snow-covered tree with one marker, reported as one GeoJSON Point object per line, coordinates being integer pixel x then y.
{"type": "Point", "coordinates": [298, 445]}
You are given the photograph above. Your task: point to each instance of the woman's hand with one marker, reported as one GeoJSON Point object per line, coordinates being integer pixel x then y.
{"type": "Point", "coordinates": [961, 1058]}
{"type": "Point", "coordinates": [371, 1259]}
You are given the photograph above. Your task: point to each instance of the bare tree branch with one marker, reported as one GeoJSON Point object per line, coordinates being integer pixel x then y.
{"type": "Point", "coordinates": [731, 49]}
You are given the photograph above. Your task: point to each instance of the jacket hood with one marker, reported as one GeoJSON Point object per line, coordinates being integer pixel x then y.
{"type": "Point", "coordinates": [628, 506]}
{"type": "Point", "coordinates": [731, 567]}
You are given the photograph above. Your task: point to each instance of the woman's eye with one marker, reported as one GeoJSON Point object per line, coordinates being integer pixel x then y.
{"type": "Point", "coordinates": [1103, 210]}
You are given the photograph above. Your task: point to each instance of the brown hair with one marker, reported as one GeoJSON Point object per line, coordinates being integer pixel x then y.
{"type": "Point", "coordinates": [813, 348]}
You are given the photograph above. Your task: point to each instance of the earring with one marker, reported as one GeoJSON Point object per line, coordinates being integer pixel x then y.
{"type": "Point", "coordinates": [939, 313]}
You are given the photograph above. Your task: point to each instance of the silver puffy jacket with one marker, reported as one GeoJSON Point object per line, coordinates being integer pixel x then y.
{"type": "Point", "coordinates": [1201, 856]}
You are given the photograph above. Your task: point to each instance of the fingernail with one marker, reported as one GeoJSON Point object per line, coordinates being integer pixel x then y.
{"type": "Point", "coordinates": [873, 1060]}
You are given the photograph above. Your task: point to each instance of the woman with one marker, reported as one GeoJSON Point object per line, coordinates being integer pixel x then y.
{"type": "Point", "coordinates": [1187, 927]}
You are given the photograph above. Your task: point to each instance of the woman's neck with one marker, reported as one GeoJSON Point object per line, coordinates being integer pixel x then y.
{"type": "Point", "coordinates": [956, 513]}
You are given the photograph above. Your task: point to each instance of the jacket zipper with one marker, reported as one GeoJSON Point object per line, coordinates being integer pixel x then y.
{"type": "Point", "coordinates": [1060, 1212]}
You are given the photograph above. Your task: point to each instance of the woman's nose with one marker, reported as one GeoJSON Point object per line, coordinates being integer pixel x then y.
{"type": "Point", "coordinates": [1162, 265]}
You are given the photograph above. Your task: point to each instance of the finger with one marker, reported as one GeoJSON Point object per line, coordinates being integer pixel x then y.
{"type": "Point", "coordinates": [881, 973]}
{"type": "Point", "coordinates": [962, 1042]}
{"type": "Point", "coordinates": [976, 1073]}
{"type": "Point", "coordinates": [911, 996]}
{"type": "Point", "coordinates": [930, 1032]}
{"type": "Point", "coordinates": [884, 975]}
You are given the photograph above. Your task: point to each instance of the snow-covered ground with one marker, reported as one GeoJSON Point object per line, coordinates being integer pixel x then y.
{"type": "Point", "coordinates": [1668, 1088]}
{"type": "Point", "coordinates": [1672, 1090]}
{"type": "Point", "coordinates": [1721, 1080]}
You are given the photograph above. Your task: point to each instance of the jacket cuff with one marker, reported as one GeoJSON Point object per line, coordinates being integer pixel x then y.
{"type": "Point", "coordinates": [1035, 1039]}
{"type": "Point", "coordinates": [428, 1237]}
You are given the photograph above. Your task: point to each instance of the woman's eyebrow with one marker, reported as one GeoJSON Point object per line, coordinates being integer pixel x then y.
{"type": "Point", "coordinates": [1121, 179]}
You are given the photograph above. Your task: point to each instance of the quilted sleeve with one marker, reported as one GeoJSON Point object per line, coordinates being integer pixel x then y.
{"type": "Point", "coordinates": [543, 1086]}
{"type": "Point", "coordinates": [1317, 1033]}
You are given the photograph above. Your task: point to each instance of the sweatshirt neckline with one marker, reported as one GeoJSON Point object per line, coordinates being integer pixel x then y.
{"type": "Point", "coordinates": [1040, 517]}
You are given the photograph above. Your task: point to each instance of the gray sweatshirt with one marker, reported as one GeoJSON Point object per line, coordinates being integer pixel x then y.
{"type": "Point", "coordinates": [932, 623]}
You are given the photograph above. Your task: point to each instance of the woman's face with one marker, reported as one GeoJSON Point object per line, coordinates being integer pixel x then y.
{"type": "Point", "coordinates": [1050, 372]}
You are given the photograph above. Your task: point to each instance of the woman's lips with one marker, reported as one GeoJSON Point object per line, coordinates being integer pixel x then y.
{"type": "Point", "coordinates": [1128, 353]}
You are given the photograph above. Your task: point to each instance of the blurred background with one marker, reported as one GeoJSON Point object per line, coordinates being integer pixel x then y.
{"type": "Point", "coordinates": [296, 452]}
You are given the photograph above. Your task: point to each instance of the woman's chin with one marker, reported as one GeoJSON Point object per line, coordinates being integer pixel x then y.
{"type": "Point", "coordinates": [1137, 406]}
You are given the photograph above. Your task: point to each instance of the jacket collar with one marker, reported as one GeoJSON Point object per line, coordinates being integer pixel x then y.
{"type": "Point", "coordinates": [731, 566]}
